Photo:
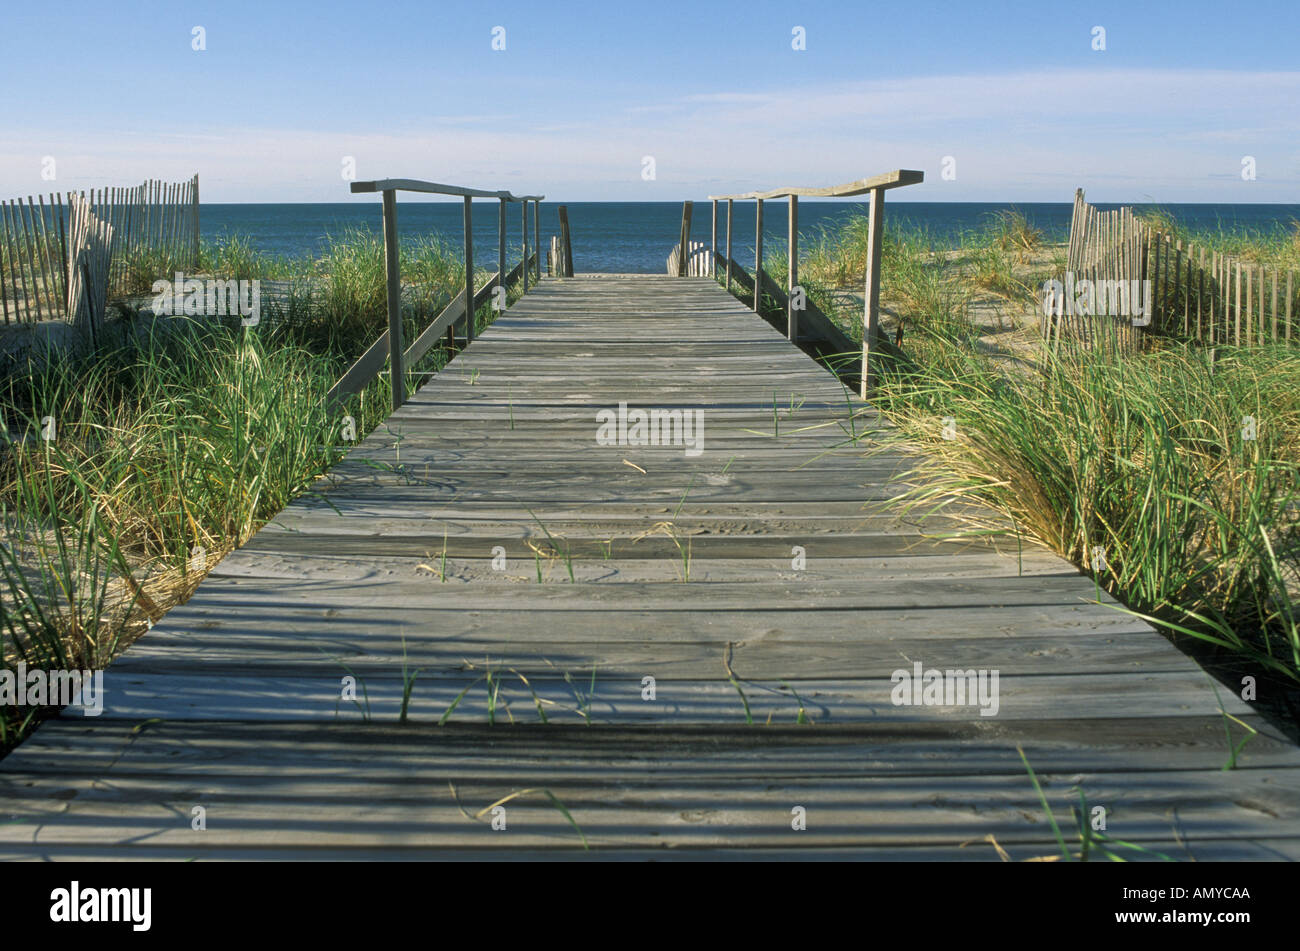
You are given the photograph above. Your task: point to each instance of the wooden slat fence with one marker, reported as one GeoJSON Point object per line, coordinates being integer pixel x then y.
{"type": "Point", "coordinates": [556, 263]}
{"type": "Point", "coordinates": [1195, 292]}
{"type": "Point", "coordinates": [90, 242]}
{"type": "Point", "coordinates": [154, 226]}
{"type": "Point", "coordinates": [699, 262]}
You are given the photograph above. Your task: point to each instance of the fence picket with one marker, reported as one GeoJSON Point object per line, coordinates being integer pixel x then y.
{"type": "Point", "coordinates": [36, 266]}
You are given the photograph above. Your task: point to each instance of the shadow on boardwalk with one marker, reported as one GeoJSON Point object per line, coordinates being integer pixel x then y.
{"type": "Point", "coordinates": [486, 550]}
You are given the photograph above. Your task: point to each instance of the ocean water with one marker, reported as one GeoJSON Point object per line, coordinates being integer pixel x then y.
{"type": "Point", "coordinates": [637, 236]}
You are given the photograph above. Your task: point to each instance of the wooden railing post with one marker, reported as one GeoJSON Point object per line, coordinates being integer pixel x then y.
{"type": "Point", "coordinates": [469, 270]}
{"type": "Point", "coordinates": [566, 245]}
{"type": "Point", "coordinates": [791, 313]}
{"type": "Point", "coordinates": [501, 245]}
{"type": "Point", "coordinates": [684, 241]}
{"type": "Point", "coordinates": [728, 245]}
{"type": "Point", "coordinates": [537, 236]}
{"type": "Point", "coordinates": [524, 268]}
{"type": "Point", "coordinates": [195, 262]}
{"type": "Point", "coordinates": [392, 272]}
{"type": "Point", "coordinates": [4, 299]}
{"type": "Point", "coordinates": [713, 245]}
{"type": "Point", "coordinates": [871, 297]}
{"type": "Point", "coordinates": [758, 257]}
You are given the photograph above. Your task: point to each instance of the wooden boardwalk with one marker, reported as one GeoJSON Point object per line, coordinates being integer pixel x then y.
{"type": "Point", "coordinates": [622, 563]}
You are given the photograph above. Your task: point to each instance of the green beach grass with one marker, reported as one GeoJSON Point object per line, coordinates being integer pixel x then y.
{"type": "Point", "coordinates": [1180, 466]}
{"type": "Point", "coordinates": [172, 448]}
{"type": "Point", "coordinates": [175, 441]}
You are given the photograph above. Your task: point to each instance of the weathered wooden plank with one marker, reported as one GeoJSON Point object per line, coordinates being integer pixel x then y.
{"type": "Point", "coordinates": [453, 312]}
{"type": "Point", "coordinates": [894, 179]}
{"type": "Point", "coordinates": [5, 268]}
{"type": "Point", "coordinates": [871, 333]}
{"type": "Point", "coordinates": [814, 324]}
{"type": "Point", "coordinates": [434, 188]}
{"type": "Point", "coordinates": [288, 789]}
{"type": "Point", "coordinates": [566, 244]}
{"type": "Point", "coordinates": [361, 372]}
{"type": "Point", "coordinates": [316, 693]}
{"type": "Point", "coordinates": [228, 608]}
{"type": "Point", "coordinates": [1206, 850]}
{"type": "Point", "coordinates": [831, 547]}
{"type": "Point", "coordinates": [798, 594]}
{"type": "Point", "coordinates": [51, 269]}
{"type": "Point", "coordinates": [684, 657]}
{"type": "Point", "coordinates": [15, 263]}
{"type": "Point", "coordinates": [537, 235]}
{"type": "Point", "coordinates": [707, 753]}
{"type": "Point", "coordinates": [499, 451]}
{"type": "Point", "coordinates": [523, 237]}
{"type": "Point", "coordinates": [469, 266]}
{"type": "Point", "coordinates": [713, 242]}
{"type": "Point", "coordinates": [684, 239]}
{"type": "Point", "coordinates": [501, 248]}
{"type": "Point", "coordinates": [393, 275]}
{"type": "Point", "coordinates": [1290, 296]}
{"type": "Point", "coordinates": [194, 237]}
{"type": "Point", "coordinates": [792, 255]}
{"type": "Point", "coordinates": [727, 282]}
{"type": "Point", "coordinates": [34, 285]}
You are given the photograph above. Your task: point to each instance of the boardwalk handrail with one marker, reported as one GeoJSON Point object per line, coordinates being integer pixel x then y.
{"type": "Point", "coordinates": [369, 364]}
{"type": "Point", "coordinates": [862, 186]}
{"type": "Point", "coordinates": [434, 188]}
{"type": "Point", "coordinates": [876, 186]}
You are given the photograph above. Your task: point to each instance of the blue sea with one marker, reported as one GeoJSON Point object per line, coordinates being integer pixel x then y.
{"type": "Point", "coordinates": [637, 236]}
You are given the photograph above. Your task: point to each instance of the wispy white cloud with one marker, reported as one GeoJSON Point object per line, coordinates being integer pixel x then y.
{"type": "Point", "coordinates": [738, 97]}
{"type": "Point", "coordinates": [1126, 134]}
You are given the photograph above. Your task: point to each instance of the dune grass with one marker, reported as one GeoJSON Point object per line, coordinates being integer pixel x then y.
{"type": "Point", "coordinates": [342, 289]}
{"type": "Point", "coordinates": [181, 442]}
{"type": "Point", "coordinates": [1180, 465]}
{"type": "Point", "coordinates": [1150, 460]}
{"type": "Point", "coordinates": [351, 293]}
{"type": "Point", "coordinates": [233, 257]}
{"type": "Point", "coordinates": [1012, 231]}
{"type": "Point", "coordinates": [1171, 476]}
{"type": "Point", "coordinates": [138, 269]}
{"type": "Point", "coordinates": [127, 473]}
{"type": "Point", "coordinates": [1277, 247]}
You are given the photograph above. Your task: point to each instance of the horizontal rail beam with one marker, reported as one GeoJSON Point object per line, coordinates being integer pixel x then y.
{"type": "Point", "coordinates": [365, 369]}
{"type": "Point", "coordinates": [370, 363]}
{"type": "Point", "coordinates": [894, 179]}
{"type": "Point", "coordinates": [434, 188]}
{"type": "Point", "coordinates": [813, 323]}
{"type": "Point", "coordinates": [453, 312]}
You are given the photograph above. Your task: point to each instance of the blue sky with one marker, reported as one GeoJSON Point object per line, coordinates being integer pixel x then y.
{"type": "Point", "coordinates": [1012, 92]}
